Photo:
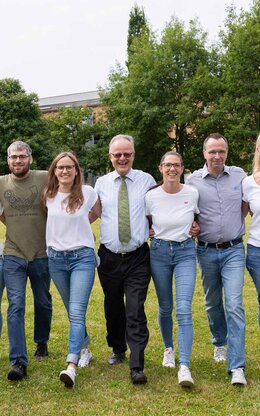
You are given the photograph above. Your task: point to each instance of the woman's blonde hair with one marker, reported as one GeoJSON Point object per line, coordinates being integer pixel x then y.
{"type": "Point", "coordinates": [256, 161]}
{"type": "Point", "coordinates": [75, 199]}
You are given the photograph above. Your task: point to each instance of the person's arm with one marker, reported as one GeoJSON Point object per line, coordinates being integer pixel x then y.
{"type": "Point", "coordinates": [2, 218]}
{"type": "Point", "coordinates": [195, 229]}
{"type": "Point", "coordinates": [151, 230]}
{"type": "Point", "coordinates": [95, 212]}
{"type": "Point", "coordinates": [245, 208]}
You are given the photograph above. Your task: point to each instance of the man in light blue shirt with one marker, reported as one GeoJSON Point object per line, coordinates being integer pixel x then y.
{"type": "Point", "coordinates": [220, 252]}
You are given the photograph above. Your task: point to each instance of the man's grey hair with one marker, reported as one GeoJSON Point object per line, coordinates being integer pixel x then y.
{"type": "Point", "coordinates": [215, 136]}
{"type": "Point", "coordinates": [19, 145]}
{"type": "Point", "coordinates": [130, 139]}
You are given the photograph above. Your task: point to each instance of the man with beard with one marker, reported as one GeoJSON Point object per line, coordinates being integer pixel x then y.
{"type": "Point", "coordinates": [25, 255]}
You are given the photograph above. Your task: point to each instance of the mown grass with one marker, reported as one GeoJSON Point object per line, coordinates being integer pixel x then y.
{"type": "Point", "coordinates": [104, 390]}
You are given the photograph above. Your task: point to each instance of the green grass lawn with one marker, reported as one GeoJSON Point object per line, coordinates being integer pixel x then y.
{"type": "Point", "coordinates": [105, 390]}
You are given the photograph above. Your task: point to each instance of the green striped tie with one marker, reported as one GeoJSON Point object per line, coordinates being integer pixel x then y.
{"type": "Point", "coordinates": [124, 230]}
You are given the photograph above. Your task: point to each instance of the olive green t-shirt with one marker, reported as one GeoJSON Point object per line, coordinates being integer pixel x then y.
{"type": "Point", "coordinates": [24, 215]}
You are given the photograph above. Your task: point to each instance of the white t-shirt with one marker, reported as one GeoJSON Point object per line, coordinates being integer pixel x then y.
{"type": "Point", "coordinates": [67, 231]}
{"type": "Point", "coordinates": [172, 214]}
{"type": "Point", "coordinates": [251, 194]}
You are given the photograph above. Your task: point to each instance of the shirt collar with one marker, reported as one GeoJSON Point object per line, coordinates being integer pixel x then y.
{"type": "Point", "coordinates": [130, 175]}
{"type": "Point", "coordinates": [205, 171]}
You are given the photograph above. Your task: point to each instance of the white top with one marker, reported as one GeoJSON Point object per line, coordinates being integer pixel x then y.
{"type": "Point", "coordinates": [251, 194]}
{"type": "Point", "coordinates": [138, 183]}
{"type": "Point", "coordinates": [67, 231]}
{"type": "Point", "coordinates": [172, 214]}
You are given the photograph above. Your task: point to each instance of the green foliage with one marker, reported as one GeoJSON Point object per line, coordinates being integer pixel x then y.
{"type": "Point", "coordinates": [72, 129]}
{"type": "Point", "coordinates": [137, 27]}
{"type": "Point", "coordinates": [240, 104]}
{"type": "Point", "coordinates": [178, 89]}
{"type": "Point", "coordinates": [154, 101]}
{"type": "Point", "coordinates": [97, 160]}
{"type": "Point", "coordinates": [20, 119]}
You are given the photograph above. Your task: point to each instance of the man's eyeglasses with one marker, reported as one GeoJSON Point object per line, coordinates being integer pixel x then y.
{"type": "Point", "coordinates": [68, 168]}
{"type": "Point", "coordinates": [217, 152]}
{"type": "Point", "coordinates": [169, 165]}
{"type": "Point", "coordinates": [118, 155]}
{"type": "Point", "coordinates": [21, 157]}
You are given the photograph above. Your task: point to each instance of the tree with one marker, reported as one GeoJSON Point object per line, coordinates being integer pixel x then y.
{"type": "Point", "coordinates": [72, 129]}
{"type": "Point", "coordinates": [178, 89]}
{"type": "Point", "coordinates": [155, 101]}
{"type": "Point", "coordinates": [20, 119]}
{"type": "Point", "coordinates": [137, 27]}
{"type": "Point", "coordinates": [240, 104]}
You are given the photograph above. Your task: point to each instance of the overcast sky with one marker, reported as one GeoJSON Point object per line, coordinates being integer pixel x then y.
{"type": "Point", "coordinates": [57, 47]}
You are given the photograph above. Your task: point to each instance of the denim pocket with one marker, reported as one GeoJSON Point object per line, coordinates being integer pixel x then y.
{"type": "Point", "coordinates": [155, 244]}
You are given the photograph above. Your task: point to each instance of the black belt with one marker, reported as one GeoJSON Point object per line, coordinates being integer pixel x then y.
{"type": "Point", "coordinates": [226, 244]}
{"type": "Point", "coordinates": [124, 254]}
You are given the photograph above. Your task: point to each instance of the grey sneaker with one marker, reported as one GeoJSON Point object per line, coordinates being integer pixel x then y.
{"type": "Point", "coordinates": [116, 358]}
{"type": "Point", "coordinates": [238, 376]}
{"type": "Point", "coordinates": [184, 377]}
{"type": "Point", "coordinates": [168, 358]}
{"type": "Point", "coordinates": [85, 358]}
{"type": "Point", "coordinates": [68, 377]}
{"type": "Point", "coordinates": [220, 353]}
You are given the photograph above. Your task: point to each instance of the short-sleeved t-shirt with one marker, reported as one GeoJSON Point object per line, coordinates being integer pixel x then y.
{"type": "Point", "coordinates": [25, 215]}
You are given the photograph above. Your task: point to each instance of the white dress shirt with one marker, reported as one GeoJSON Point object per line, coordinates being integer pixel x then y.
{"type": "Point", "coordinates": [107, 186]}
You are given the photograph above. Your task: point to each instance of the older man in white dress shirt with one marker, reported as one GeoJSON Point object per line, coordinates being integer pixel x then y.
{"type": "Point", "coordinates": [124, 269]}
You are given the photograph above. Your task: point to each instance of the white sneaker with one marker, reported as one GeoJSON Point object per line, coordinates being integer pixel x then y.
{"type": "Point", "coordinates": [184, 376]}
{"type": "Point", "coordinates": [238, 376]}
{"type": "Point", "coordinates": [168, 358]}
{"type": "Point", "coordinates": [68, 377]}
{"type": "Point", "coordinates": [85, 358]}
{"type": "Point", "coordinates": [220, 353]}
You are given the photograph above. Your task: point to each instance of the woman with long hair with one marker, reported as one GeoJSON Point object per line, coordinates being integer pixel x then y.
{"type": "Point", "coordinates": [71, 251]}
{"type": "Point", "coordinates": [171, 208]}
{"type": "Point", "coordinates": [251, 202]}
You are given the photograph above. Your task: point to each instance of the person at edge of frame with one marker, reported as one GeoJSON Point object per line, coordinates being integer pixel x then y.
{"type": "Point", "coordinates": [25, 255]}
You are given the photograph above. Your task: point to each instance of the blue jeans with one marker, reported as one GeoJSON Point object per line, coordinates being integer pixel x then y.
{"type": "Point", "coordinates": [2, 286]}
{"type": "Point", "coordinates": [253, 266]}
{"type": "Point", "coordinates": [223, 269]}
{"type": "Point", "coordinates": [73, 273]}
{"type": "Point", "coordinates": [168, 257]}
{"type": "Point", "coordinates": [16, 271]}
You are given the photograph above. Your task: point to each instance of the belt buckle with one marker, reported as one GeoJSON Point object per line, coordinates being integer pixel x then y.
{"type": "Point", "coordinates": [123, 254]}
{"type": "Point", "coordinates": [218, 245]}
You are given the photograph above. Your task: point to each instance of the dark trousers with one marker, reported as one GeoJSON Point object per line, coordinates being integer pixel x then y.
{"type": "Point", "coordinates": [126, 275]}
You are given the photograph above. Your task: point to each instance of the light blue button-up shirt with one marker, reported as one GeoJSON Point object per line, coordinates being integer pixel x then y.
{"type": "Point", "coordinates": [220, 201]}
{"type": "Point", "coordinates": [107, 186]}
